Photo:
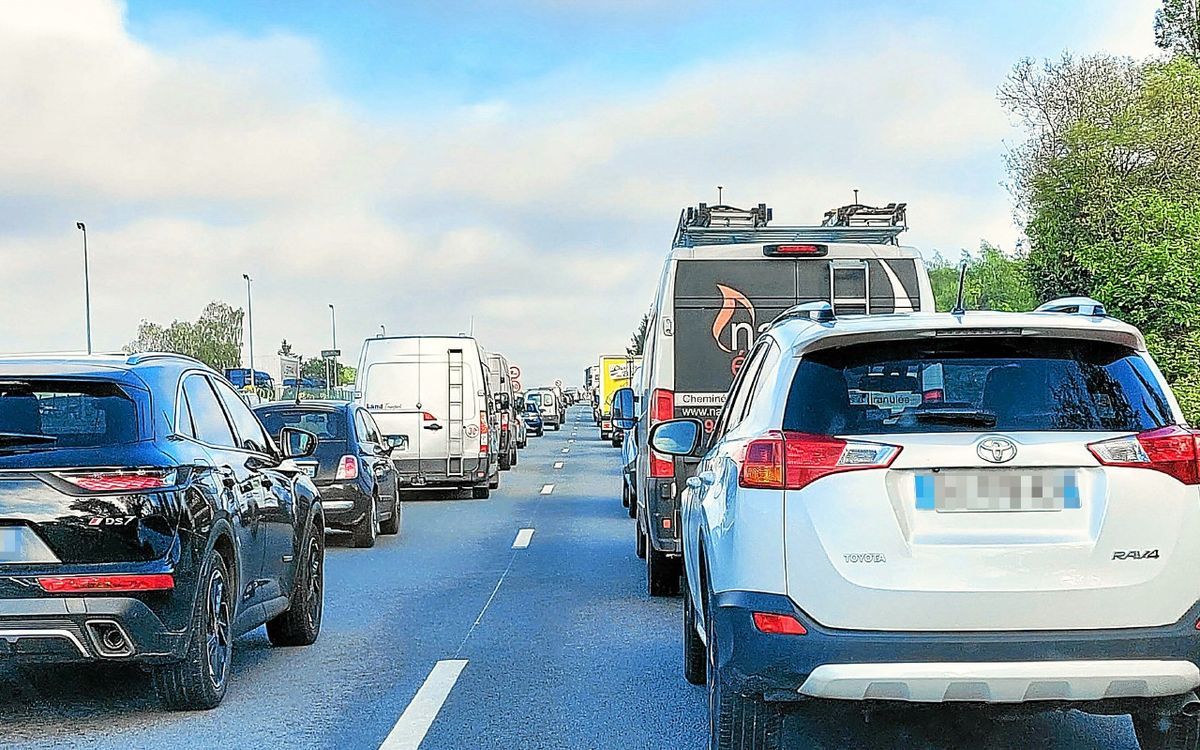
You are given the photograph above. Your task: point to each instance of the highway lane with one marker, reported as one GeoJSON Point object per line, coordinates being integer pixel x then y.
{"type": "Point", "coordinates": [563, 647]}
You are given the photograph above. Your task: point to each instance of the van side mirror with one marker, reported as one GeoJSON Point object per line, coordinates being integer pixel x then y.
{"type": "Point", "coordinates": [297, 443]}
{"type": "Point", "coordinates": [677, 437]}
{"type": "Point", "coordinates": [624, 417]}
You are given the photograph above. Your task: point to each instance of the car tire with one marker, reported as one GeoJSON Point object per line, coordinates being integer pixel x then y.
{"type": "Point", "coordinates": [695, 654]}
{"type": "Point", "coordinates": [624, 494]}
{"type": "Point", "coordinates": [481, 493]}
{"type": "Point", "coordinates": [367, 530]}
{"type": "Point", "coordinates": [662, 573]}
{"type": "Point", "coordinates": [495, 483]}
{"type": "Point", "coordinates": [640, 543]}
{"type": "Point", "coordinates": [391, 526]}
{"type": "Point", "coordinates": [198, 682]}
{"type": "Point", "coordinates": [632, 504]}
{"type": "Point", "coordinates": [300, 623]}
{"type": "Point", "coordinates": [505, 462]}
{"type": "Point", "coordinates": [1155, 731]}
{"type": "Point", "coordinates": [513, 461]}
{"type": "Point", "coordinates": [737, 721]}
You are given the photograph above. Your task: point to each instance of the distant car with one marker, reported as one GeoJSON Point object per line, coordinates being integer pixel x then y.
{"type": "Point", "coordinates": [352, 466]}
{"type": "Point", "coordinates": [146, 516]}
{"type": "Point", "coordinates": [532, 417]}
{"type": "Point", "coordinates": [547, 402]}
{"type": "Point", "coordinates": [240, 377]}
{"type": "Point", "coordinates": [996, 509]}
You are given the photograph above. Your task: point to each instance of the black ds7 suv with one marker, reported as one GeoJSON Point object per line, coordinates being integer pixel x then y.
{"type": "Point", "coordinates": [146, 516]}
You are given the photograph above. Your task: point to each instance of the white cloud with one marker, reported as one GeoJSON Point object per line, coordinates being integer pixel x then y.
{"type": "Point", "coordinates": [545, 219]}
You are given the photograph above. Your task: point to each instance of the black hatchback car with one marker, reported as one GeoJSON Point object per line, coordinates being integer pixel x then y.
{"type": "Point", "coordinates": [352, 466]}
{"type": "Point", "coordinates": [146, 516]}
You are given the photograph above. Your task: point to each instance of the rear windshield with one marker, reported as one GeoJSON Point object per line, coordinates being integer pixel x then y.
{"type": "Point", "coordinates": [955, 385]}
{"type": "Point", "coordinates": [65, 414]}
{"type": "Point", "coordinates": [326, 425]}
{"type": "Point", "coordinates": [535, 399]}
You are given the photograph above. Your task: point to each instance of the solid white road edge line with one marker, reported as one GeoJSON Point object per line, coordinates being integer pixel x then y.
{"type": "Point", "coordinates": [524, 537]}
{"type": "Point", "coordinates": [414, 723]}
{"type": "Point", "coordinates": [547, 489]}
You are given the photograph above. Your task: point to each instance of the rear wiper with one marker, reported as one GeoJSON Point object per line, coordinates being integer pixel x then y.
{"type": "Point", "coordinates": [20, 438]}
{"type": "Point", "coordinates": [974, 417]}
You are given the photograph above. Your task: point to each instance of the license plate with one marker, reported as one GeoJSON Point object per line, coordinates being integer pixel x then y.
{"type": "Point", "coordinates": [309, 469]}
{"type": "Point", "coordinates": [997, 491]}
{"type": "Point", "coordinates": [20, 544]}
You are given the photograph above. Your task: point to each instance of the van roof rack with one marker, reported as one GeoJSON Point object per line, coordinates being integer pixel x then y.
{"type": "Point", "coordinates": [1075, 306]}
{"type": "Point", "coordinates": [728, 225]}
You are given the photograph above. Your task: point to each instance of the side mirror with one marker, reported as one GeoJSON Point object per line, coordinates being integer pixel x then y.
{"type": "Point", "coordinates": [297, 443]}
{"type": "Point", "coordinates": [623, 415]}
{"type": "Point", "coordinates": [677, 437]}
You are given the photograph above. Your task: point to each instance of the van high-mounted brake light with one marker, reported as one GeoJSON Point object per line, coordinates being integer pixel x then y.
{"type": "Point", "coordinates": [794, 460]}
{"type": "Point", "coordinates": [812, 251]}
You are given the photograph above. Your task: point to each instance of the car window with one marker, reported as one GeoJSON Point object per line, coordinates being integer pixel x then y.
{"type": "Point", "coordinates": [183, 420]}
{"type": "Point", "coordinates": [770, 358]}
{"type": "Point", "coordinates": [361, 429]}
{"type": "Point", "coordinates": [372, 428]}
{"type": "Point", "coordinates": [212, 426]}
{"type": "Point", "coordinates": [735, 402]}
{"type": "Point", "coordinates": [68, 414]}
{"type": "Point", "coordinates": [249, 430]}
{"type": "Point", "coordinates": [1011, 384]}
{"type": "Point", "coordinates": [328, 426]}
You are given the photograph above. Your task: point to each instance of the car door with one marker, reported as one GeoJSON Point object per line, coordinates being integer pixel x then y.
{"type": "Point", "coordinates": [373, 456]}
{"type": "Point", "coordinates": [273, 496]}
{"type": "Point", "coordinates": [213, 429]}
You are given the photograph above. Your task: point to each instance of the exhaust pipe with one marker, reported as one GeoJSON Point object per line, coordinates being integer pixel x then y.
{"type": "Point", "coordinates": [110, 639]}
{"type": "Point", "coordinates": [1187, 704]}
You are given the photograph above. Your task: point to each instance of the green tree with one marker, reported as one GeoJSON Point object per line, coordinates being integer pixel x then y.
{"type": "Point", "coordinates": [215, 338]}
{"type": "Point", "coordinates": [995, 281]}
{"type": "Point", "coordinates": [1110, 190]}
{"type": "Point", "coordinates": [638, 340]}
{"type": "Point", "coordinates": [285, 349]}
{"type": "Point", "coordinates": [1177, 28]}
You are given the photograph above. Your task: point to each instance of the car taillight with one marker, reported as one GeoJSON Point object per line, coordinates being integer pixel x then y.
{"type": "Point", "coordinates": [483, 431]}
{"type": "Point", "coordinates": [1171, 450]}
{"type": "Point", "coordinates": [504, 420]}
{"type": "Point", "coordinates": [347, 468]}
{"type": "Point", "coordinates": [124, 480]}
{"type": "Point", "coordinates": [662, 408]}
{"type": "Point", "coordinates": [775, 624]}
{"type": "Point", "coordinates": [794, 460]}
{"type": "Point", "coordinates": [73, 584]}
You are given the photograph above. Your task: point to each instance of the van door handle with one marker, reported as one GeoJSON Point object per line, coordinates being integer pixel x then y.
{"type": "Point", "coordinates": [433, 427]}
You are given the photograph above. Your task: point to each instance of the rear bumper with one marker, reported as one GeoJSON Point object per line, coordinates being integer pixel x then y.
{"type": "Point", "coordinates": [414, 473]}
{"type": "Point", "coordinates": [69, 629]}
{"type": "Point", "coordinates": [985, 667]}
{"type": "Point", "coordinates": [345, 504]}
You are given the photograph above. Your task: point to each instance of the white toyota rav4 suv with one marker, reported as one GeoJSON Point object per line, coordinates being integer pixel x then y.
{"type": "Point", "coordinates": [1000, 508]}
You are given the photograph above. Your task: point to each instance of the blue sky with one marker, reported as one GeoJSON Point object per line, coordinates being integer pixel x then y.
{"type": "Point", "coordinates": [384, 156]}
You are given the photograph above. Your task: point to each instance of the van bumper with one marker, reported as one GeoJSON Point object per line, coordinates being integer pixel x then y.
{"type": "Point", "coordinates": [414, 474]}
{"type": "Point", "coordinates": [933, 667]}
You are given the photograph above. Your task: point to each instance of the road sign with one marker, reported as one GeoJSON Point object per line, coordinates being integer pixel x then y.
{"type": "Point", "coordinates": [516, 384]}
{"type": "Point", "coordinates": [331, 353]}
{"type": "Point", "coordinates": [514, 372]}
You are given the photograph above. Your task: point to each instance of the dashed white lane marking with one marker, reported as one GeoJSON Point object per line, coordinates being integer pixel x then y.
{"type": "Point", "coordinates": [524, 536]}
{"type": "Point", "coordinates": [547, 489]}
{"type": "Point", "coordinates": [558, 464]}
{"type": "Point", "coordinates": [414, 723]}
{"type": "Point", "coordinates": [566, 450]}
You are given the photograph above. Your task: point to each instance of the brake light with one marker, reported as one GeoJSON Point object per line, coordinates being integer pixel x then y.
{"type": "Point", "coordinates": [662, 408]}
{"type": "Point", "coordinates": [1171, 450]}
{"type": "Point", "coordinates": [776, 624]}
{"type": "Point", "coordinates": [811, 250]}
{"type": "Point", "coordinates": [483, 432]}
{"type": "Point", "coordinates": [126, 480]}
{"type": "Point", "coordinates": [504, 420]}
{"type": "Point", "coordinates": [934, 395]}
{"type": "Point", "coordinates": [347, 468]}
{"type": "Point", "coordinates": [427, 417]}
{"type": "Point", "coordinates": [794, 460]}
{"type": "Point", "coordinates": [73, 584]}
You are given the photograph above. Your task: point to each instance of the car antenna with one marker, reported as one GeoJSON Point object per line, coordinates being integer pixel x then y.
{"type": "Point", "coordinates": [959, 309]}
{"type": "Point", "coordinates": [299, 372]}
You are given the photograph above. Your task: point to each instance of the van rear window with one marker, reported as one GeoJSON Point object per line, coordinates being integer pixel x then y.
{"type": "Point", "coordinates": [65, 414]}
{"type": "Point", "coordinates": [954, 385]}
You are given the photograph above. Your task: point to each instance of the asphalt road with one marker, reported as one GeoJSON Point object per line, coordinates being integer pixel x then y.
{"type": "Point", "coordinates": [562, 648]}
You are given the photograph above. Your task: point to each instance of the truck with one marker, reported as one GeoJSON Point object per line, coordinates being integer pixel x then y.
{"type": "Point", "coordinates": [615, 371]}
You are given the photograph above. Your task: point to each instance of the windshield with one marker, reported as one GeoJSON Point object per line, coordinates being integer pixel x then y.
{"type": "Point", "coordinates": [326, 425]}
{"type": "Point", "coordinates": [66, 414]}
{"type": "Point", "coordinates": [948, 385]}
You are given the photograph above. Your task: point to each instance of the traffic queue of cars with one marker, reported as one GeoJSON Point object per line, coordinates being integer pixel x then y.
{"type": "Point", "coordinates": [149, 515]}
{"type": "Point", "coordinates": [992, 509]}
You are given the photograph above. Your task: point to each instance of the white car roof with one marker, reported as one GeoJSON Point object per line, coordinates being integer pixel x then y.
{"type": "Point", "coordinates": [803, 334]}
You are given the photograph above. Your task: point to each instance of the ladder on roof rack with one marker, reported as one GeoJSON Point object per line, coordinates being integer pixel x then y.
{"type": "Point", "coordinates": [850, 287]}
{"type": "Point", "coordinates": [726, 225]}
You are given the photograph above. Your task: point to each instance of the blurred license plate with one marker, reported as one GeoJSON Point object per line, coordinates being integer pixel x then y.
{"type": "Point", "coordinates": [984, 491]}
{"type": "Point", "coordinates": [309, 469]}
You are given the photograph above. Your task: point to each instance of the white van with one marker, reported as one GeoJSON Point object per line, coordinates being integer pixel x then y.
{"type": "Point", "coordinates": [727, 277]}
{"type": "Point", "coordinates": [430, 396]}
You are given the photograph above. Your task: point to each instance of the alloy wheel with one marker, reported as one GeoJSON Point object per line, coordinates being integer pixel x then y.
{"type": "Point", "coordinates": [218, 643]}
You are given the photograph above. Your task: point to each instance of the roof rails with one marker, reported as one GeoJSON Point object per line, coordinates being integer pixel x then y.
{"type": "Point", "coordinates": [1075, 306]}
{"type": "Point", "coordinates": [817, 312]}
{"type": "Point", "coordinates": [727, 225]}
{"type": "Point", "coordinates": [140, 357]}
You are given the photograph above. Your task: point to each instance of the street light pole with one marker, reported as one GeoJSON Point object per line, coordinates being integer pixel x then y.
{"type": "Point", "coordinates": [250, 326]}
{"type": "Point", "coordinates": [87, 287]}
{"type": "Point", "coordinates": [333, 326]}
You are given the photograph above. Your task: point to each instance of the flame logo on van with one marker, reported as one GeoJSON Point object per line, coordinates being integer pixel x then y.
{"type": "Point", "coordinates": [740, 334]}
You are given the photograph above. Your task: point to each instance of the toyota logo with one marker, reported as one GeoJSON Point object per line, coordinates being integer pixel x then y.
{"type": "Point", "coordinates": [997, 450]}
